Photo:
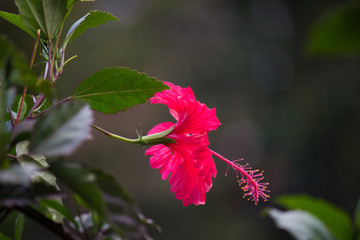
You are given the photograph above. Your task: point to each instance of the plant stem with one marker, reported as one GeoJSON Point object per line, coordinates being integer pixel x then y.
{"type": "Point", "coordinates": [51, 107]}
{"type": "Point", "coordinates": [152, 139]}
{"type": "Point", "coordinates": [59, 71]}
{"type": "Point", "coordinates": [57, 228]}
{"type": "Point", "coordinates": [31, 65]}
{"type": "Point", "coordinates": [11, 156]}
{"type": "Point", "coordinates": [49, 61]}
{"type": "Point", "coordinates": [37, 104]}
{"type": "Point", "coordinates": [116, 136]}
{"type": "Point", "coordinates": [21, 105]}
{"type": "Point", "coordinates": [35, 48]}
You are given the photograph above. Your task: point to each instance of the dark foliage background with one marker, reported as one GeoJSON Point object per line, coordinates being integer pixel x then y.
{"type": "Point", "coordinates": [284, 110]}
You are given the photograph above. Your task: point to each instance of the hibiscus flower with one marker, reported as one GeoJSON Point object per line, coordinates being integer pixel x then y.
{"type": "Point", "coordinates": [188, 159]}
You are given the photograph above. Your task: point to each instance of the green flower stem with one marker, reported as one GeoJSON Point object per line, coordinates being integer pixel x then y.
{"type": "Point", "coordinates": [128, 140]}
{"type": "Point", "coordinates": [152, 139]}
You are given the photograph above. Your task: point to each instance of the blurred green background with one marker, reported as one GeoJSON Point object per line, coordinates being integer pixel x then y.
{"type": "Point", "coordinates": [291, 113]}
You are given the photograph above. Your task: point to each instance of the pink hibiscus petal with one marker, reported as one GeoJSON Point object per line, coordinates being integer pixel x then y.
{"type": "Point", "coordinates": [189, 161]}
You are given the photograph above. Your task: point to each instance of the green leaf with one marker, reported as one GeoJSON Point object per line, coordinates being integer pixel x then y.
{"type": "Point", "coordinates": [15, 70]}
{"type": "Point", "coordinates": [100, 192]}
{"type": "Point", "coordinates": [122, 212]}
{"type": "Point", "coordinates": [357, 221]}
{"type": "Point", "coordinates": [81, 182]}
{"type": "Point", "coordinates": [27, 105]}
{"type": "Point", "coordinates": [4, 134]}
{"type": "Point", "coordinates": [62, 130]}
{"type": "Point", "coordinates": [16, 20]}
{"type": "Point", "coordinates": [18, 195]}
{"type": "Point", "coordinates": [19, 226]}
{"type": "Point", "coordinates": [70, 2]}
{"type": "Point", "coordinates": [34, 161]}
{"type": "Point", "coordinates": [22, 131]}
{"type": "Point", "coordinates": [60, 208]}
{"type": "Point", "coordinates": [5, 116]}
{"type": "Point", "coordinates": [115, 89]}
{"type": "Point", "coordinates": [337, 33]}
{"type": "Point", "coordinates": [335, 219]}
{"type": "Point", "coordinates": [46, 15]}
{"type": "Point", "coordinates": [301, 225]}
{"type": "Point", "coordinates": [40, 173]}
{"type": "Point", "coordinates": [3, 237]}
{"type": "Point", "coordinates": [15, 175]}
{"type": "Point", "coordinates": [16, 188]}
{"type": "Point", "coordinates": [91, 19]}
{"type": "Point", "coordinates": [17, 104]}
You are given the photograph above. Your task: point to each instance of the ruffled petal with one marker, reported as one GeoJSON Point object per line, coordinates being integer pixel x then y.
{"type": "Point", "coordinates": [189, 160]}
{"type": "Point", "coordinates": [205, 163]}
{"type": "Point", "coordinates": [161, 127]}
{"type": "Point", "coordinates": [187, 184]}
{"type": "Point", "coordinates": [189, 141]}
{"type": "Point", "coordinates": [174, 97]}
{"type": "Point", "coordinates": [196, 117]}
{"type": "Point", "coordinates": [192, 116]}
{"type": "Point", "coordinates": [164, 158]}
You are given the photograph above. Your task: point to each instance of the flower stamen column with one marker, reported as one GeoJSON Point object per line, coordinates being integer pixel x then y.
{"type": "Point", "coordinates": [250, 180]}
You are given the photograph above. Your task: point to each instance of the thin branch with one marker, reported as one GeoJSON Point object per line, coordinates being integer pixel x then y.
{"type": "Point", "coordinates": [35, 48]}
{"type": "Point", "coordinates": [51, 107]}
{"type": "Point", "coordinates": [57, 228]}
{"type": "Point", "coordinates": [11, 156]}
{"type": "Point", "coordinates": [59, 71]}
{"type": "Point", "coordinates": [107, 133]}
{"type": "Point", "coordinates": [49, 61]}
{"type": "Point", "coordinates": [36, 105]}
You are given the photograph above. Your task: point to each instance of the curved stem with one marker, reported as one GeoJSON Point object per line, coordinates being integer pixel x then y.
{"type": "Point", "coordinates": [51, 107]}
{"type": "Point", "coordinates": [36, 105]}
{"type": "Point", "coordinates": [128, 140]}
{"type": "Point", "coordinates": [152, 139]}
{"type": "Point", "coordinates": [11, 156]}
{"type": "Point", "coordinates": [243, 173]}
{"type": "Point", "coordinates": [49, 61]}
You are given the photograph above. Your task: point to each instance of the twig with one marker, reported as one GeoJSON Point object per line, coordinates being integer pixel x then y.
{"type": "Point", "coordinates": [51, 107]}
{"type": "Point", "coordinates": [11, 156]}
{"type": "Point", "coordinates": [36, 105]}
